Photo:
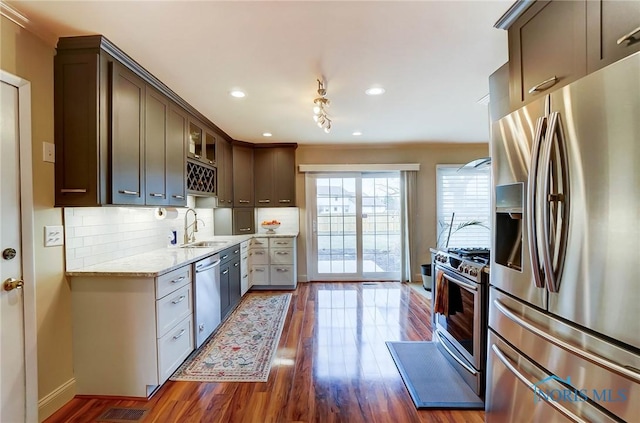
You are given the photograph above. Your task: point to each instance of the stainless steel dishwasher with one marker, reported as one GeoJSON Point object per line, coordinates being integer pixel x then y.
{"type": "Point", "coordinates": [207, 297]}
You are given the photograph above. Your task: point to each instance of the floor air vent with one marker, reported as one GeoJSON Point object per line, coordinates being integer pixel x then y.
{"type": "Point", "coordinates": [123, 415]}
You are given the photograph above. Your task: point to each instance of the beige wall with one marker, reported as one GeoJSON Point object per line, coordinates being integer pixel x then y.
{"type": "Point", "coordinates": [24, 55]}
{"type": "Point", "coordinates": [428, 155]}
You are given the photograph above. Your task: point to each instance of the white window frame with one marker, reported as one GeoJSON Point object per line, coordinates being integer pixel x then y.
{"type": "Point", "coordinates": [469, 205]}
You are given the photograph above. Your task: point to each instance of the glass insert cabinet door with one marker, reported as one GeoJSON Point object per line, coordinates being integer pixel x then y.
{"type": "Point", "coordinates": [355, 227]}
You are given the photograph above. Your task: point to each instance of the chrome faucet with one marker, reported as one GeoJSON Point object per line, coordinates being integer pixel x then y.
{"type": "Point", "coordinates": [191, 238]}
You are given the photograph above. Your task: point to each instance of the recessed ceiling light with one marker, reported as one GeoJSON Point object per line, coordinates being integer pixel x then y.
{"type": "Point", "coordinates": [374, 91]}
{"type": "Point", "coordinates": [237, 93]}
{"type": "Point", "coordinates": [267, 134]}
{"type": "Point", "coordinates": [357, 133]}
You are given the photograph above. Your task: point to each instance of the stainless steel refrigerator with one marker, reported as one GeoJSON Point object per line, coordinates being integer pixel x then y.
{"type": "Point", "coordinates": [564, 304]}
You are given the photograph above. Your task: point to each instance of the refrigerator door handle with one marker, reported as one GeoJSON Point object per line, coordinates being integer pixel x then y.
{"type": "Point", "coordinates": [561, 200]}
{"type": "Point", "coordinates": [625, 371]}
{"type": "Point", "coordinates": [532, 187]}
{"type": "Point", "coordinates": [555, 404]}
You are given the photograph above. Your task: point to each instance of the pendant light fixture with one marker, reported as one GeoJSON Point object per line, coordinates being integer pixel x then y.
{"type": "Point", "coordinates": [320, 105]}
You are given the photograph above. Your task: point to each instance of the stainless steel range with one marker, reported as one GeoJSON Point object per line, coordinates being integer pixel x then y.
{"type": "Point", "coordinates": [460, 311]}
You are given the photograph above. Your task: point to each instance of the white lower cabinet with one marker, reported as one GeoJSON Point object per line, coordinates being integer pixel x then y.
{"type": "Point", "coordinates": [130, 333]}
{"type": "Point", "coordinates": [259, 274]}
{"type": "Point", "coordinates": [272, 263]}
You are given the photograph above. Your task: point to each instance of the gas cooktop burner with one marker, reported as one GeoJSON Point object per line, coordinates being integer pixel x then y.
{"type": "Point", "coordinates": [470, 252]}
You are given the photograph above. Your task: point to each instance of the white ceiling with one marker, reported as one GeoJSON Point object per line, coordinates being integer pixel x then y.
{"type": "Point", "coordinates": [432, 57]}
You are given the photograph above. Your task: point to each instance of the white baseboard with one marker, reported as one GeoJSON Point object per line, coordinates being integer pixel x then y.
{"type": "Point", "coordinates": [53, 401]}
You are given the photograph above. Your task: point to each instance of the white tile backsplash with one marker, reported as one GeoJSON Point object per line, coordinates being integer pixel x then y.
{"type": "Point", "coordinates": [289, 218]}
{"type": "Point", "coordinates": [98, 234]}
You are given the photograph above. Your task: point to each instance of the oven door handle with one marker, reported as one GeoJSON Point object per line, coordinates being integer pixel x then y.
{"type": "Point", "coordinates": [454, 356]}
{"type": "Point", "coordinates": [465, 285]}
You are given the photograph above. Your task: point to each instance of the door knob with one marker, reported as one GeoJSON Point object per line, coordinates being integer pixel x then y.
{"type": "Point", "coordinates": [11, 284]}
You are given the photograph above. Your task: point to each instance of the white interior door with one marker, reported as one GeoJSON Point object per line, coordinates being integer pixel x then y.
{"type": "Point", "coordinates": [355, 226]}
{"type": "Point", "coordinates": [12, 352]}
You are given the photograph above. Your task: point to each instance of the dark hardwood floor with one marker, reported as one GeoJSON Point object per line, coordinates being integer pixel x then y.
{"type": "Point", "coordinates": [332, 365]}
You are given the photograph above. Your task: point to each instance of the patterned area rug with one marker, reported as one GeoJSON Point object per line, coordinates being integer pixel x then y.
{"type": "Point", "coordinates": [242, 348]}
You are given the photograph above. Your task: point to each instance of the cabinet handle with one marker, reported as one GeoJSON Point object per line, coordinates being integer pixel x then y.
{"type": "Point", "coordinates": [243, 201]}
{"type": "Point", "coordinates": [629, 37]}
{"type": "Point", "coordinates": [236, 251]}
{"type": "Point", "coordinates": [259, 269]}
{"type": "Point", "coordinates": [546, 84]}
{"type": "Point", "coordinates": [264, 201]}
{"type": "Point", "coordinates": [244, 229]}
{"type": "Point", "coordinates": [224, 272]}
{"type": "Point", "coordinates": [281, 269]}
{"type": "Point", "coordinates": [72, 190]}
{"type": "Point", "coordinates": [181, 278]}
{"type": "Point", "coordinates": [127, 192]}
{"type": "Point", "coordinates": [196, 156]}
{"type": "Point", "coordinates": [210, 161]}
{"type": "Point", "coordinates": [179, 197]}
{"type": "Point", "coordinates": [179, 335]}
{"type": "Point", "coordinates": [155, 194]}
{"type": "Point", "coordinates": [245, 276]}
{"type": "Point", "coordinates": [235, 264]}
{"type": "Point", "coordinates": [179, 300]}
{"type": "Point", "coordinates": [224, 257]}
{"type": "Point", "coordinates": [259, 253]}
{"type": "Point", "coordinates": [281, 243]}
{"type": "Point", "coordinates": [282, 253]}
{"type": "Point", "coordinates": [284, 201]}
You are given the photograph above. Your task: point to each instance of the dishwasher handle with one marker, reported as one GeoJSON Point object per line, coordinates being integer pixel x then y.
{"type": "Point", "coordinates": [210, 266]}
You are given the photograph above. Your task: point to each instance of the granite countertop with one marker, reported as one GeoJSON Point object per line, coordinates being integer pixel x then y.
{"type": "Point", "coordinates": [163, 260]}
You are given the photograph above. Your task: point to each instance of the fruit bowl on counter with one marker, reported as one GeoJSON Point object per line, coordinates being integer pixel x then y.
{"type": "Point", "coordinates": [270, 225]}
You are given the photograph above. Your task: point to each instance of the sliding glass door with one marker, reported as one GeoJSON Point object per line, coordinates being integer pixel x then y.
{"type": "Point", "coordinates": [355, 226]}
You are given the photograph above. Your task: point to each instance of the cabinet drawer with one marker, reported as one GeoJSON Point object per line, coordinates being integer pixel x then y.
{"type": "Point", "coordinates": [282, 275]}
{"type": "Point", "coordinates": [259, 242]}
{"type": "Point", "coordinates": [281, 255]}
{"type": "Point", "coordinates": [281, 242]}
{"type": "Point", "coordinates": [171, 281]}
{"type": "Point", "coordinates": [229, 254]}
{"type": "Point", "coordinates": [259, 275]}
{"type": "Point", "coordinates": [258, 256]}
{"type": "Point", "coordinates": [173, 308]}
{"type": "Point", "coordinates": [174, 347]}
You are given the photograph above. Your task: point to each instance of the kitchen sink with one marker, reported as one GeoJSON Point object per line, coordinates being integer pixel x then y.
{"type": "Point", "coordinates": [205, 244]}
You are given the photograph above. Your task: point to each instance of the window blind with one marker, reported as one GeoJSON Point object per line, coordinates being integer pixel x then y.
{"type": "Point", "coordinates": [464, 192]}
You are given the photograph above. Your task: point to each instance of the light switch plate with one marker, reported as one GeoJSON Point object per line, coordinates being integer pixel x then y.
{"type": "Point", "coordinates": [53, 236]}
{"type": "Point", "coordinates": [49, 152]}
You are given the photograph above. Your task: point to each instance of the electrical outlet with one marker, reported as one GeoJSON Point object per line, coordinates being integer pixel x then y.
{"type": "Point", "coordinates": [49, 152]}
{"type": "Point", "coordinates": [53, 236]}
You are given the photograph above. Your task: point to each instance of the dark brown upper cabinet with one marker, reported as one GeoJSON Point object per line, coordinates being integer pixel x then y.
{"type": "Point", "coordinates": [225, 172]}
{"type": "Point", "coordinates": [244, 221]}
{"type": "Point", "coordinates": [210, 145]}
{"type": "Point", "coordinates": [274, 176]}
{"type": "Point", "coordinates": [547, 49]}
{"type": "Point", "coordinates": [202, 143]}
{"type": "Point", "coordinates": [121, 135]}
{"type": "Point", "coordinates": [243, 194]}
{"type": "Point", "coordinates": [196, 140]}
{"type": "Point", "coordinates": [177, 130]}
{"type": "Point", "coordinates": [613, 31]}
{"type": "Point", "coordinates": [155, 147]}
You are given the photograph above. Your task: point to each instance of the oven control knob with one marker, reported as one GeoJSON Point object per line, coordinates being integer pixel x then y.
{"type": "Point", "coordinates": [473, 272]}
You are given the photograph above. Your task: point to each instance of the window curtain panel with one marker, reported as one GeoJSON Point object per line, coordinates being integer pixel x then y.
{"type": "Point", "coordinates": [409, 210]}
